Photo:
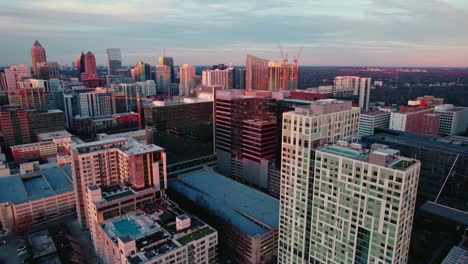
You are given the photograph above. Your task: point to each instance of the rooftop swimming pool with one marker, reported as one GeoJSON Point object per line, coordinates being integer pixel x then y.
{"type": "Point", "coordinates": [127, 227]}
{"type": "Point", "coordinates": [342, 151]}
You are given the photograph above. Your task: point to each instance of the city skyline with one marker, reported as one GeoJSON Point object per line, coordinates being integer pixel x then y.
{"type": "Point", "coordinates": [360, 33]}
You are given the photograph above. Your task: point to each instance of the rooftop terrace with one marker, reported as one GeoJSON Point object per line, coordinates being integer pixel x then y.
{"type": "Point", "coordinates": [153, 230]}
{"type": "Point", "coordinates": [253, 212]}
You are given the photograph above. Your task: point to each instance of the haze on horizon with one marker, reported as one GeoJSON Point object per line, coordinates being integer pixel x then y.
{"type": "Point", "coordinates": [203, 32]}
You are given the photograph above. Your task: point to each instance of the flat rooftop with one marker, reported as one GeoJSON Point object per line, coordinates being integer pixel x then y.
{"type": "Point", "coordinates": [375, 113]}
{"type": "Point", "coordinates": [35, 185]}
{"type": "Point", "coordinates": [41, 244]}
{"type": "Point", "coordinates": [252, 211]}
{"type": "Point", "coordinates": [417, 141]}
{"type": "Point", "coordinates": [127, 145]}
{"type": "Point", "coordinates": [398, 163]}
{"type": "Point", "coordinates": [54, 134]}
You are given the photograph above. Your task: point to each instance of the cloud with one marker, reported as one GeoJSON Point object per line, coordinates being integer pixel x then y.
{"type": "Point", "coordinates": [353, 32]}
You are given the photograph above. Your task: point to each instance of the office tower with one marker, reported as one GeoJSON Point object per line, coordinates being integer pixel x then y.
{"type": "Point", "coordinates": [361, 207]}
{"type": "Point", "coordinates": [453, 119]}
{"type": "Point", "coordinates": [42, 71]}
{"type": "Point", "coordinates": [25, 205]}
{"type": "Point", "coordinates": [418, 117]}
{"type": "Point", "coordinates": [163, 80]}
{"type": "Point", "coordinates": [187, 79]}
{"type": "Point", "coordinates": [275, 77]}
{"type": "Point", "coordinates": [239, 77]}
{"type": "Point", "coordinates": [127, 97]}
{"type": "Point", "coordinates": [232, 107]}
{"type": "Point", "coordinates": [142, 72]}
{"type": "Point", "coordinates": [115, 161]}
{"type": "Point", "coordinates": [147, 88]}
{"type": "Point", "coordinates": [183, 128]}
{"type": "Point", "coordinates": [439, 159]}
{"type": "Point", "coordinates": [54, 70]}
{"type": "Point", "coordinates": [38, 55]}
{"type": "Point", "coordinates": [15, 74]}
{"type": "Point", "coordinates": [114, 60]}
{"type": "Point", "coordinates": [80, 64]}
{"type": "Point", "coordinates": [70, 109]}
{"type": "Point", "coordinates": [169, 62]}
{"type": "Point", "coordinates": [369, 121]}
{"type": "Point", "coordinates": [256, 73]}
{"type": "Point", "coordinates": [221, 76]}
{"type": "Point", "coordinates": [90, 64]}
{"type": "Point", "coordinates": [305, 129]}
{"type": "Point", "coordinates": [22, 126]}
{"type": "Point", "coordinates": [3, 83]}
{"type": "Point", "coordinates": [246, 219]}
{"type": "Point", "coordinates": [95, 104]}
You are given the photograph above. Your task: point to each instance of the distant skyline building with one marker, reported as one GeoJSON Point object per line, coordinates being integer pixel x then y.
{"type": "Point", "coordinates": [222, 77]}
{"type": "Point", "coordinates": [352, 86]}
{"type": "Point", "coordinates": [239, 77]}
{"type": "Point", "coordinates": [80, 64]}
{"type": "Point", "coordinates": [38, 55]}
{"type": "Point", "coordinates": [142, 72]}
{"type": "Point", "coordinates": [90, 63]}
{"type": "Point", "coordinates": [163, 79]}
{"type": "Point", "coordinates": [187, 79]}
{"type": "Point", "coordinates": [54, 70]}
{"type": "Point", "coordinates": [16, 74]}
{"type": "Point", "coordinates": [168, 61]}
{"type": "Point", "coordinates": [256, 73]}
{"type": "Point", "coordinates": [114, 60]}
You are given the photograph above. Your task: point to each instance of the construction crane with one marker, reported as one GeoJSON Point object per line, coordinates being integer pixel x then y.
{"type": "Point", "coordinates": [285, 67]}
{"type": "Point", "coordinates": [296, 69]}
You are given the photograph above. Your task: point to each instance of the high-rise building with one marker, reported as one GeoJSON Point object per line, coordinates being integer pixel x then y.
{"type": "Point", "coordinates": [453, 119]}
{"type": "Point", "coordinates": [90, 63]}
{"type": "Point", "coordinates": [369, 121]}
{"type": "Point", "coordinates": [54, 70]}
{"type": "Point", "coordinates": [232, 107]}
{"type": "Point", "coordinates": [95, 104]}
{"type": "Point", "coordinates": [364, 93]}
{"type": "Point", "coordinates": [222, 77]}
{"type": "Point", "coordinates": [3, 83]}
{"type": "Point", "coordinates": [111, 162]}
{"type": "Point", "coordinates": [22, 126]}
{"type": "Point", "coordinates": [239, 77]}
{"type": "Point", "coordinates": [360, 211]}
{"type": "Point", "coordinates": [163, 80]}
{"type": "Point", "coordinates": [183, 128]}
{"type": "Point", "coordinates": [169, 62]}
{"type": "Point", "coordinates": [187, 79]}
{"type": "Point", "coordinates": [42, 71]}
{"type": "Point", "coordinates": [256, 73]}
{"type": "Point", "coordinates": [80, 64]}
{"type": "Point", "coordinates": [38, 55]}
{"type": "Point", "coordinates": [16, 74]}
{"type": "Point", "coordinates": [304, 130]}
{"type": "Point", "coordinates": [142, 72]}
{"type": "Point", "coordinates": [147, 88]}
{"type": "Point", "coordinates": [348, 86]}
{"type": "Point", "coordinates": [114, 60]}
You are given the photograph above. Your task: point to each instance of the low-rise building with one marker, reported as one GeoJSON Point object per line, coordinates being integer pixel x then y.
{"type": "Point", "coordinates": [368, 121]}
{"type": "Point", "coordinates": [246, 219]}
{"type": "Point", "coordinates": [129, 226]}
{"type": "Point", "coordinates": [30, 199]}
{"type": "Point", "coordinates": [453, 119]}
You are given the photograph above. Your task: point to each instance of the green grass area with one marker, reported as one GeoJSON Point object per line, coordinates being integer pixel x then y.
{"type": "Point", "coordinates": [195, 235]}
{"type": "Point", "coordinates": [118, 196]}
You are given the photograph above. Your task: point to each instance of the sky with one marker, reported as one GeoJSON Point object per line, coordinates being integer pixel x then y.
{"type": "Point", "coordinates": [204, 32]}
